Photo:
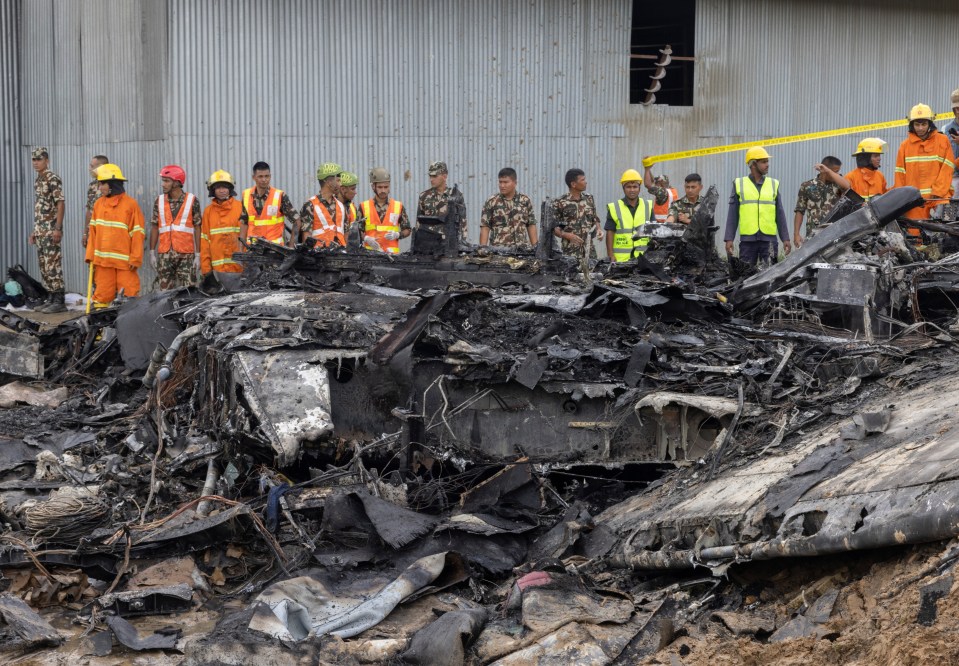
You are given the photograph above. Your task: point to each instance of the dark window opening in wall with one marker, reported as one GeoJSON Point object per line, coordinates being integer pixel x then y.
{"type": "Point", "coordinates": [656, 77]}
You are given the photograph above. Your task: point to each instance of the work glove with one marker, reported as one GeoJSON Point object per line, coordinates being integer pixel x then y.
{"type": "Point", "coordinates": [372, 244]}
{"type": "Point", "coordinates": [392, 235]}
{"type": "Point", "coordinates": [196, 261]}
{"type": "Point", "coordinates": [153, 259]}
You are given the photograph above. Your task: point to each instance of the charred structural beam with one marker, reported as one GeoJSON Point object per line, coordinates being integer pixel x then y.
{"type": "Point", "coordinates": [868, 219]}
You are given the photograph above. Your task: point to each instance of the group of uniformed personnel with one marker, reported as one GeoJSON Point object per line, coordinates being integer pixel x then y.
{"type": "Point", "coordinates": [185, 243]}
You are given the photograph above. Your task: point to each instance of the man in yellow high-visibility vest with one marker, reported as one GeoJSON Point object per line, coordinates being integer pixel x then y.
{"type": "Point", "coordinates": [756, 212]}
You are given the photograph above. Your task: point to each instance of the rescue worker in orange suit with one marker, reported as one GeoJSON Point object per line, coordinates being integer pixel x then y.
{"type": "Point", "coordinates": [220, 227]}
{"type": "Point", "coordinates": [264, 210]}
{"type": "Point", "coordinates": [925, 162]}
{"type": "Point", "coordinates": [175, 232]}
{"type": "Point", "coordinates": [386, 221]}
{"type": "Point", "coordinates": [348, 182]}
{"type": "Point", "coordinates": [866, 179]}
{"type": "Point", "coordinates": [324, 216]}
{"type": "Point", "coordinates": [663, 195]}
{"type": "Point", "coordinates": [115, 245]}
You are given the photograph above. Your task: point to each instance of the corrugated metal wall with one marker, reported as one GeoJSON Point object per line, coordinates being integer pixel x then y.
{"type": "Point", "coordinates": [15, 220]}
{"type": "Point", "coordinates": [537, 85]}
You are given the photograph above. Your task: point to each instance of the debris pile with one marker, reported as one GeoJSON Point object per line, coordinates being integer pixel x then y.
{"type": "Point", "coordinates": [480, 457]}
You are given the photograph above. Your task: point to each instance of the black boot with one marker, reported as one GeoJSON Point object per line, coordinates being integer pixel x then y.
{"type": "Point", "coordinates": [56, 304]}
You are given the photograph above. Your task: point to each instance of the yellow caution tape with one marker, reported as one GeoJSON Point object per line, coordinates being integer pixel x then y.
{"type": "Point", "coordinates": [733, 147]}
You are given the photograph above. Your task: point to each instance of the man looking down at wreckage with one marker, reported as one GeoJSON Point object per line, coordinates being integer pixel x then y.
{"type": "Point", "coordinates": [925, 162]}
{"type": "Point", "coordinates": [576, 217]}
{"type": "Point", "coordinates": [756, 212]}
{"type": "Point", "coordinates": [817, 196]}
{"type": "Point", "coordinates": [866, 179]}
{"type": "Point", "coordinates": [624, 219]}
{"type": "Point", "coordinates": [386, 218]}
{"type": "Point", "coordinates": [115, 246]}
{"type": "Point", "coordinates": [323, 216]}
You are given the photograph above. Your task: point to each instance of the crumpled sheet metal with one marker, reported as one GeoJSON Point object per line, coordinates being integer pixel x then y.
{"type": "Point", "coordinates": [892, 488]}
{"type": "Point", "coordinates": [304, 607]}
{"type": "Point", "coordinates": [289, 393]}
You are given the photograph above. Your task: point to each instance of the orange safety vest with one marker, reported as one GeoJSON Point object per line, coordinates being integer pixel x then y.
{"type": "Point", "coordinates": [116, 233]}
{"type": "Point", "coordinates": [377, 228]}
{"type": "Point", "coordinates": [328, 229]}
{"type": "Point", "coordinates": [661, 212]}
{"type": "Point", "coordinates": [219, 237]}
{"type": "Point", "coordinates": [268, 224]}
{"type": "Point", "coordinates": [176, 233]}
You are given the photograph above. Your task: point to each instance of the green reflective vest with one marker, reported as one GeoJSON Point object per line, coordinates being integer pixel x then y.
{"type": "Point", "coordinates": [757, 208]}
{"type": "Point", "coordinates": [626, 223]}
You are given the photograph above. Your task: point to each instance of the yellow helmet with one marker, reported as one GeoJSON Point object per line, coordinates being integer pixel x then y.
{"type": "Point", "coordinates": [109, 172]}
{"type": "Point", "coordinates": [220, 176]}
{"type": "Point", "coordinates": [756, 153]}
{"type": "Point", "coordinates": [631, 176]}
{"type": "Point", "coordinates": [869, 145]}
{"type": "Point", "coordinates": [921, 112]}
{"type": "Point", "coordinates": [348, 179]}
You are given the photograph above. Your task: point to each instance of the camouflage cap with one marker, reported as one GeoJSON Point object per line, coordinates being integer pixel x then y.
{"type": "Point", "coordinates": [662, 180]}
{"type": "Point", "coordinates": [348, 179]}
{"type": "Point", "coordinates": [39, 152]}
{"type": "Point", "coordinates": [436, 168]}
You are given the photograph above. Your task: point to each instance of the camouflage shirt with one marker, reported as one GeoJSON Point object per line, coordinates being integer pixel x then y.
{"type": "Point", "coordinates": [48, 189]}
{"type": "Point", "coordinates": [815, 200]}
{"type": "Point", "coordinates": [683, 206]}
{"type": "Point", "coordinates": [435, 204]}
{"type": "Point", "coordinates": [175, 210]}
{"type": "Point", "coordinates": [576, 217]}
{"type": "Point", "coordinates": [508, 219]}
{"type": "Point", "coordinates": [659, 194]}
{"type": "Point", "coordinates": [286, 207]}
{"type": "Point", "coordinates": [93, 193]}
{"type": "Point", "coordinates": [306, 213]}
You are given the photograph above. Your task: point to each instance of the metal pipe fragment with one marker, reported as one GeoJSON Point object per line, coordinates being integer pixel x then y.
{"type": "Point", "coordinates": [164, 372]}
{"type": "Point", "coordinates": [209, 486]}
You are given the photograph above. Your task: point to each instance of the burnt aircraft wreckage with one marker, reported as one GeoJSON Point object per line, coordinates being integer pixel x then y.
{"type": "Point", "coordinates": [445, 416]}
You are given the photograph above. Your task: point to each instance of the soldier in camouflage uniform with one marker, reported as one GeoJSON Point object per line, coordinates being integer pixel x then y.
{"type": "Point", "coordinates": [681, 211]}
{"type": "Point", "coordinates": [434, 202]}
{"type": "Point", "coordinates": [817, 197]}
{"type": "Point", "coordinates": [48, 229]}
{"type": "Point", "coordinates": [576, 215]}
{"type": "Point", "coordinates": [508, 219]}
{"type": "Point", "coordinates": [175, 267]}
{"type": "Point", "coordinates": [93, 193]}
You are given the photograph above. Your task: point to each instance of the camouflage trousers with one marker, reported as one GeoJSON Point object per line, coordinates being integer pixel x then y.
{"type": "Point", "coordinates": [174, 270]}
{"type": "Point", "coordinates": [51, 260]}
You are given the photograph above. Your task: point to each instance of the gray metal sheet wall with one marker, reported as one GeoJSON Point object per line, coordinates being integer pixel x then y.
{"type": "Point", "coordinates": [15, 221]}
{"type": "Point", "coordinates": [537, 85]}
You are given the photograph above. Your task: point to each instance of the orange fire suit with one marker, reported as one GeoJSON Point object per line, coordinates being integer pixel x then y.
{"type": "Point", "coordinates": [867, 183]}
{"type": "Point", "coordinates": [115, 247]}
{"type": "Point", "coordinates": [926, 165]}
{"type": "Point", "coordinates": [220, 237]}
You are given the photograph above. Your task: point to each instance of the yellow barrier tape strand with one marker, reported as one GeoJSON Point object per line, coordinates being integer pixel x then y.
{"type": "Point", "coordinates": [733, 147]}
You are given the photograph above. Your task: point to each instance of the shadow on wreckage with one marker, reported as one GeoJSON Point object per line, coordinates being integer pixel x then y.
{"type": "Point", "coordinates": [495, 388]}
